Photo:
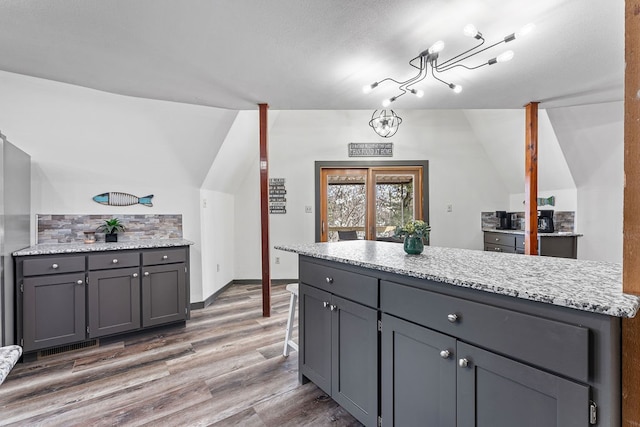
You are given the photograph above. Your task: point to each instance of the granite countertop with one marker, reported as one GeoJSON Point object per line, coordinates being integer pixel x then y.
{"type": "Point", "coordinates": [67, 248]}
{"type": "Point", "coordinates": [584, 285]}
{"type": "Point", "coordinates": [556, 234]}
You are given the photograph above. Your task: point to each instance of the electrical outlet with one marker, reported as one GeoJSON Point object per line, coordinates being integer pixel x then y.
{"type": "Point", "coordinates": [449, 208]}
{"type": "Point", "coordinates": [307, 209]}
{"type": "Point", "coordinates": [204, 203]}
{"type": "Point", "coordinates": [218, 268]}
{"type": "Point", "coordinates": [277, 260]}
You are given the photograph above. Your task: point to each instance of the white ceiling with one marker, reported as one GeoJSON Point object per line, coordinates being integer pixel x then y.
{"type": "Point", "coordinates": [316, 54]}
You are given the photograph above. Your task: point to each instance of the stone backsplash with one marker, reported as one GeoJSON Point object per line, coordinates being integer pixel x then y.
{"type": "Point", "coordinates": [71, 228]}
{"type": "Point", "coordinates": [563, 221]}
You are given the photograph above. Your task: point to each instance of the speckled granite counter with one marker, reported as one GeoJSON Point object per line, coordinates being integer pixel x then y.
{"type": "Point", "coordinates": [67, 248]}
{"type": "Point", "coordinates": [584, 285]}
{"type": "Point", "coordinates": [521, 232]}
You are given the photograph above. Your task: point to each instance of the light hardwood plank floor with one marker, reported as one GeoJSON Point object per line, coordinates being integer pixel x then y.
{"type": "Point", "coordinates": [225, 367]}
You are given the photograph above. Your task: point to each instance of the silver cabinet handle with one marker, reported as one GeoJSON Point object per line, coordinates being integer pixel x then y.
{"type": "Point", "coordinates": [325, 304]}
{"type": "Point", "coordinates": [135, 274]}
{"type": "Point", "coordinates": [146, 273]}
{"type": "Point", "coordinates": [463, 363]}
{"type": "Point", "coordinates": [329, 280]}
{"type": "Point", "coordinates": [445, 354]}
{"type": "Point", "coordinates": [497, 239]}
{"type": "Point", "coordinates": [333, 307]}
{"type": "Point", "coordinates": [115, 261]}
{"type": "Point", "coordinates": [453, 318]}
{"type": "Point", "coordinates": [165, 257]}
{"type": "Point", "coordinates": [54, 266]}
{"type": "Point", "coordinates": [79, 282]}
{"type": "Point", "coordinates": [497, 249]}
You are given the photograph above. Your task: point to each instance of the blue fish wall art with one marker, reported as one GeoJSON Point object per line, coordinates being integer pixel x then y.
{"type": "Point", "coordinates": [122, 199]}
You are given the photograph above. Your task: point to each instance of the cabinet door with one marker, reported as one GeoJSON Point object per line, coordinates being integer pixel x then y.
{"type": "Point", "coordinates": [493, 391]}
{"type": "Point", "coordinates": [418, 375]}
{"type": "Point", "coordinates": [114, 301]}
{"type": "Point", "coordinates": [315, 336]}
{"type": "Point", "coordinates": [53, 310]}
{"type": "Point", "coordinates": [354, 383]}
{"type": "Point", "coordinates": [163, 294]}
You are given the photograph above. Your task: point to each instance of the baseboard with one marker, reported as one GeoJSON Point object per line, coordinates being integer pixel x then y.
{"type": "Point", "coordinates": [207, 302]}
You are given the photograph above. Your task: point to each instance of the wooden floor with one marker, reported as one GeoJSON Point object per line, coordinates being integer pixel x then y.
{"type": "Point", "coordinates": [224, 368]}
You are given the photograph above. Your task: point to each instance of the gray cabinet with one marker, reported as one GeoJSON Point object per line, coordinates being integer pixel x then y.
{"type": "Point", "coordinates": [54, 310]}
{"type": "Point", "coordinates": [67, 299]}
{"type": "Point", "coordinates": [556, 246]}
{"type": "Point", "coordinates": [113, 302]}
{"type": "Point", "coordinates": [163, 294]}
{"type": "Point", "coordinates": [432, 378]}
{"type": "Point", "coordinates": [339, 338]}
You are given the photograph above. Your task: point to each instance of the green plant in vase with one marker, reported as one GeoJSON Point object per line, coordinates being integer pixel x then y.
{"type": "Point", "coordinates": [111, 228]}
{"type": "Point", "coordinates": [414, 233]}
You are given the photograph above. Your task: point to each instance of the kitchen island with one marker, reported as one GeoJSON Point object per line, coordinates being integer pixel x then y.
{"type": "Point", "coordinates": [461, 337]}
{"type": "Point", "coordinates": [69, 295]}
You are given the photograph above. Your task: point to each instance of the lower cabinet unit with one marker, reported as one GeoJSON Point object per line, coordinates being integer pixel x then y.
{"type": "Point", "coordinates": [70, 298]}
{"type": "Point", "coordinates": [429, 378]}
{"type": "Point", "coordinates": [450, 356]}
{"type": "Point", "coordinates": [339, 350]}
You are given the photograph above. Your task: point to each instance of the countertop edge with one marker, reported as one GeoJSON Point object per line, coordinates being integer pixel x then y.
{"type": "Point", "coordinates": [70, 248]}
{"type": "Point", "coordinates": [628, 310]}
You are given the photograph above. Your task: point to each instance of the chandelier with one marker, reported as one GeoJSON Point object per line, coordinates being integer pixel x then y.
{"type": "Point", "coordinates": [385, 123]}
{"type": "Point", "coordinates": [428, 60]}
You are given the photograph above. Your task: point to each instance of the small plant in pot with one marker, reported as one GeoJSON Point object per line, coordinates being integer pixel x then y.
{"type": "Point", "coordinates": [414, 232]}
{"type": "Point", "coordinates": [111, 228]}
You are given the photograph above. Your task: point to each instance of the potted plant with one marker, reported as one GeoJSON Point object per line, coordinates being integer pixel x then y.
{"type": "Point", "coordinates": [111, 228]}
{"type": "Point", "coordinates": [415, 231]}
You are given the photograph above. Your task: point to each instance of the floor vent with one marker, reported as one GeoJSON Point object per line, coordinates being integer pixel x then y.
{"type": "Point", "coordinates": [66, 348]}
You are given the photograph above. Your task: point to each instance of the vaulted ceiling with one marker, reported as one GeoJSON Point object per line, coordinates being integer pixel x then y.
{"type": "Point", "coordinates": [316, 54]}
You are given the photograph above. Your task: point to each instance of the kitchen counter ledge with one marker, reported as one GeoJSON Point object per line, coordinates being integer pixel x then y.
{"type": "Point", "coordinates": [584, 285]}
{"type": "Point", "coordinates": [81, 247]}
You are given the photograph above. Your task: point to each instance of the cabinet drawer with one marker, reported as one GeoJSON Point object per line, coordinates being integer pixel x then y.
{"type": "Point", "coordinates": [552, 345]}
{"type": "Point", "coordinates": [353, 286]}
{"type": "Point", "coordinates": [163, 256]}
{"type": "Point", "coordinates": [490, 247]}
{"type": "Point", "coordinates": [520, 242]}
{"type": "Point", "coordinates": [500, 239]}
{"type": "Point", "coordinates": [114, 260]}
{"type": "Point", "coordinates": [52, 265]}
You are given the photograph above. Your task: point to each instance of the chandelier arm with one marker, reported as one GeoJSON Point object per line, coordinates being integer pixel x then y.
{"type": "Point", "coordinates": [447, 65]}
{"type": "Point", "coordinates": [461, 65]}
{"type": "Point", "coordinates": [418, 78]}
{"type": "Point", "coordinates": [433, 73]}
{"type": "Point", "coordinates": [465, 52]}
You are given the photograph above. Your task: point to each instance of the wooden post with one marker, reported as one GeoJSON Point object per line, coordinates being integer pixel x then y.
{"type": "Point", "coordinates": [531, 180]}
{"type": "Point", "coordinates": [631, 222]}
{"type": "Point", "coordinates": [264, 212]}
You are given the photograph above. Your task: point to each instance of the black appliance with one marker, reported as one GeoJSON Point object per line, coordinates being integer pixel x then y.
{"type": "Point", "coordinates": [545, 221]}
{"type": "Point", "coordinates": [504, 219]}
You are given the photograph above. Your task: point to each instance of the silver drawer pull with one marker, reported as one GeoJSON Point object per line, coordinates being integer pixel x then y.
{"type": "Point", "coordinates": [165, 257]}
{"type": "Point", "coordinates": [329, 280]}
{"type": "Point", "coordinates": [453, 318]}
{"type": "Point", "coordinates": [497, 239]}
{"type": "Point", "coordinates": [54, 266]}
{"type": "Point", "coordinates": [497, 249]}
{"type": "Point", "coordinates": [445, 354]}
{"type": "Point", "coordinates": [325, 304]}
{"type": "Point", "coordinates": [79, 282]}
{"type": "Point", "coordinates": [115, 261]}
{"type": "Point", "coordinates": [146, 273]}
{"type": "Point", "coordinates": [135, 274]}
{"type": "Point", "coordinates": [333, 307]}
{"type": "Point", "coordinates": [463, 363]}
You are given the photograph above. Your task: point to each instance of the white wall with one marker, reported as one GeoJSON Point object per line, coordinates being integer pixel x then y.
{"type": "Point", "coordinates": [85, 142]}
{"type": "Point", "coordinates": [460, 174]}
{"type": "Point", "coordinates": [592, 140]}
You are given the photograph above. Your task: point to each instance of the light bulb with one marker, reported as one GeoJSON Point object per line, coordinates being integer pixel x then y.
{"type": "Point", "coordinates": [417, 92]}
{"type": "Point", "coordinates": [369, 88]}
{"type": "Point", "coordinates": [436, 47]}
{"type": "Point", "coordinates": [455, 88]}
{"type": "Point", "coordinates": [505, 56]}
{"type": "Point", "coordinates": [527, 29]}
{"type": "Point", "coordinates": [386, 102]}
{"type": "Point", "coordinates": [470, 30]}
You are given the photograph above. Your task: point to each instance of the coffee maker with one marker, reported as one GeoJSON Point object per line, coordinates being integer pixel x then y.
{"type": "Point", "coordinates": [545, 221]}
{"type": "Point", "coordinates": [504, 219]}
